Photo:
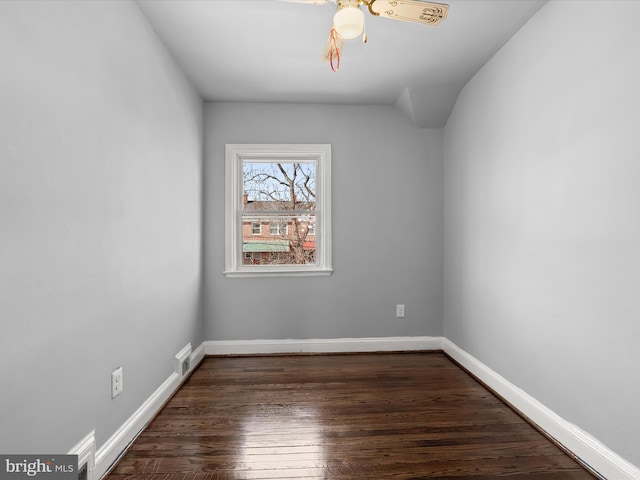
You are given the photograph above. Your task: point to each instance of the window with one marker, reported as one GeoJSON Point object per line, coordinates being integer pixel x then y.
{"type": "Point", "coordinates": [251, 258]}
{"type": "Point", "coordinates": [278, 227]}
{"type": "Point", "coordinates": [286, 187]}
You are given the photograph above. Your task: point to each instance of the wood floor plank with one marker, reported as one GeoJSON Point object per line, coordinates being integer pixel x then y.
{"type": "Point", "coordinates": [374, 416]}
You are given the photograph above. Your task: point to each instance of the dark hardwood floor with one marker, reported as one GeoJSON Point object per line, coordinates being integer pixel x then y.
{"type": "Point", "coordinates": [362, 416]}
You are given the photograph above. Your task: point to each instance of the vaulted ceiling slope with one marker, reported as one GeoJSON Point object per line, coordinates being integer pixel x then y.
{"type": "Point", "coordinates": [269, 51]}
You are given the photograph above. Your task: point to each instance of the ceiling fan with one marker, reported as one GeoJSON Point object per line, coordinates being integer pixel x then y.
{"type": "Point", "coordinates": [348, 21]}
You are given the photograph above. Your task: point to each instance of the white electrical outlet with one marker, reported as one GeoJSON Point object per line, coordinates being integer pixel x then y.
{"type": "Point", "coordinates": [182, 361]}
{"type": "Point", "coordinates": [116, 382]}
{"type": "Point", "coordinates": [400, 310]}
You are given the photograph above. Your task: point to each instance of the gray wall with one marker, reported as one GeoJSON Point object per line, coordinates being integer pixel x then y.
{"type": "Point", "coordinates": [387, 227]}
{"type": "Point", "coordinates": [100, 172]}
{"type": "Point", "coordinates": [542, 169]}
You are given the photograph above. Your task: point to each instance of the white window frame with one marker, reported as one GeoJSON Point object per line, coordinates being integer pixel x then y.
{"type": "Point", "coordinates": [235, 154]}
{"type": "Point", "coordinates": [279, 227]}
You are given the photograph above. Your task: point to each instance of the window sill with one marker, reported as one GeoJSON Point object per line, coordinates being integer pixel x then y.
{"type": "Point", "coordinates": [275, 272]}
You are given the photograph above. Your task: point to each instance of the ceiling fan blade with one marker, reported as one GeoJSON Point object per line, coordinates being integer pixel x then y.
{"type": "Point", "coordinates": [410, 10]}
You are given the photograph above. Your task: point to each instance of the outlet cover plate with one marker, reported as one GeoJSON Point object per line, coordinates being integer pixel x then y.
{"type": "Point", "coordinates": [116, 382]}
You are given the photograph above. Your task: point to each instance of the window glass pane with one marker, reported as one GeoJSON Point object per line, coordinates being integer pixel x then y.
{"type": "Point", "coordinates": [278, 186]}
{"type": "Point", "coordinates": [286, 241]}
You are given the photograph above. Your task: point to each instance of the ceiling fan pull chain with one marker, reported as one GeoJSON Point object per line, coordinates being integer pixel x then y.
{"type": "Point", "coordinates": [334, 48]}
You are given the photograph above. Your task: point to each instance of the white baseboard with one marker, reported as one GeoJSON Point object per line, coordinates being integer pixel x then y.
{"type": "Point", "coordinates": [580, 443]}
{"type": "Point", "coordinates": [331, 345]}
{"type": "Point", "coordinates": [197, 355]}
{"type": "Point", "coordinates": [115, 446]}
{"type": "Point", "coordinates": [86, 451]}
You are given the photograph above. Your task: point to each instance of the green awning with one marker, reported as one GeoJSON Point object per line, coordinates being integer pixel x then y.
{"type": "Point", "coordinates": [266, 246]}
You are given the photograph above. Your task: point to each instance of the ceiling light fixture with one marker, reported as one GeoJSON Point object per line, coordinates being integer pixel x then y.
{"type": "Point", "coordinates": [349, 19]}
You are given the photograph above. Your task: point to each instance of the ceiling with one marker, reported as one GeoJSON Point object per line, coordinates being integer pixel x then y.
{"type": "Point", "coordinates": [269, 51]}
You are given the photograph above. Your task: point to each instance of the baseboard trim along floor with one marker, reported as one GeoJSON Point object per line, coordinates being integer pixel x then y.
{"type": "Point", "coordinates": [593, 453]}
{"type": "Point", "coordinates": [334, 345]}
{"type": "Point", "coordinates": [584, 446]}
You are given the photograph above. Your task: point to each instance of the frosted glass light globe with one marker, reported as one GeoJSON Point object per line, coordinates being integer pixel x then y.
{"type": "Point", "coordinates": [349, 21]}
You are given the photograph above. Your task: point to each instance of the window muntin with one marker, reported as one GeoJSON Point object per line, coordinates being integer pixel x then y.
{"type": "Point", "coordinates": [286, 190]}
